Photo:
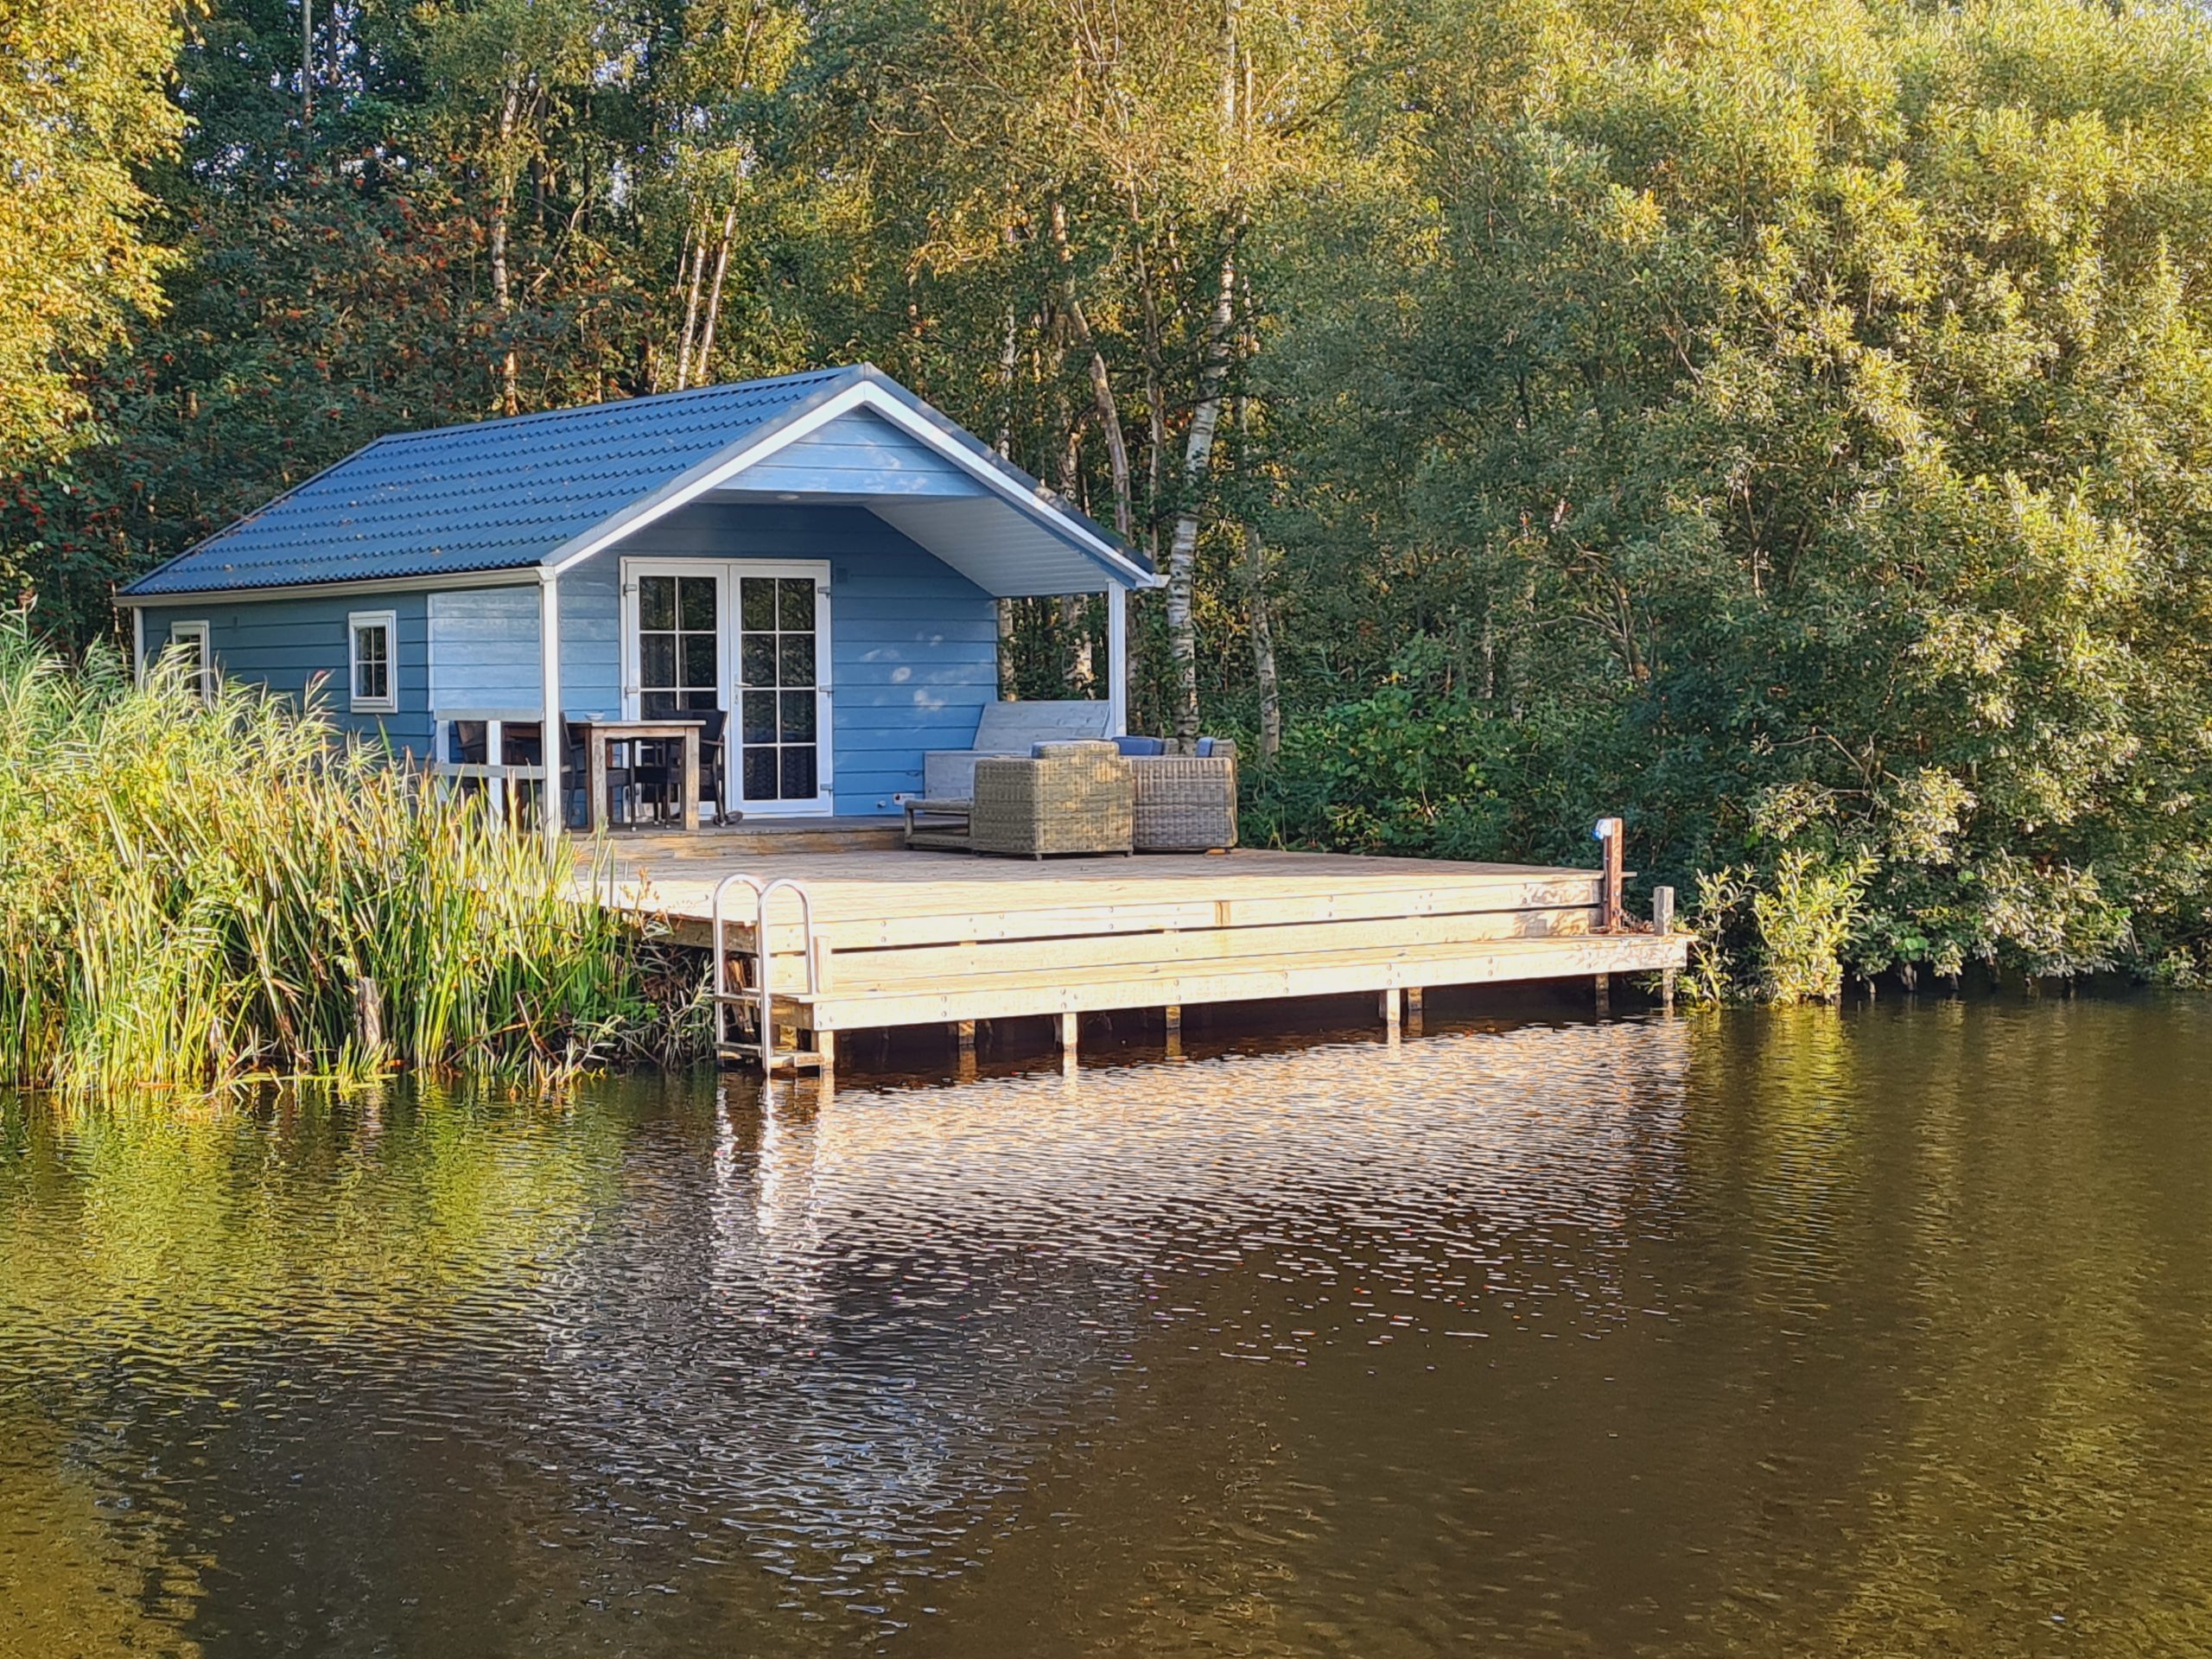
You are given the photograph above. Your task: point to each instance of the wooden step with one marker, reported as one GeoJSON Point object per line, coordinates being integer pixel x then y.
{"type": "Point", "coordinates": [1305, 973]}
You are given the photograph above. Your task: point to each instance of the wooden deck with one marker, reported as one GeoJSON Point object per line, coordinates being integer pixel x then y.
{"type": "Point", "coordinates": [909, 938]}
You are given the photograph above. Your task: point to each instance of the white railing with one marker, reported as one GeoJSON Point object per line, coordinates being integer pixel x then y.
{"type": "Point", "coordinates": [498, 777]}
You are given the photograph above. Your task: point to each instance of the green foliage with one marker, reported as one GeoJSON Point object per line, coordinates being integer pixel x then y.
{"type": "Point", "coordinates": [1411, 769]}
{"type": "Point", "coordinates": [1787, 424]}
{"type": "Point", "coordinates": [190, 893]}
{"type": "Point", "coordinates": [1778, 935]}
{"type": "Point", "coordinates": [83, 106]}
{"type": "Point", "coordinates": [1803, 407]}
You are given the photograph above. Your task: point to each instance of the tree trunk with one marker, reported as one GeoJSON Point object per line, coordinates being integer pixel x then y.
{"type": "Point", "coordinates": [1263, 645]}
{"type": "Point", "coordinates": [1102, 380]}
{"type": "Point", "coordinates": [1197, 461]}
{"type": "Point", "coordinates": [1074, 608]}
{"type": "Point", "coordinates": [1261, 621]}
{"type": "Point", "coordinates": [1009, 361]}
{"type": "Point", "coordinates": [1206, 419]}
{"type": "Point", "coordinates": [715, 290]}
{"type": "Point", "coordinates": [502, 210]}
{"type": "Point", "coordinates": [695, 258]}
{"type": "Point", "coordinates": [503, 297]}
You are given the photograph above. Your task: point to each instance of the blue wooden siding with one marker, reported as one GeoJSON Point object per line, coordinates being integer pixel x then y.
{"type": "Point", "coordinates": [483, 650]}
{"type": "Point", "coordinates": [913, 644]}
{"type": "Point", "coordinates": [858, 452]}
{"type": "Point", "coordinates": [285, 642]}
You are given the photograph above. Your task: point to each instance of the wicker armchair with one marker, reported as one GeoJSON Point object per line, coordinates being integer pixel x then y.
{"type": "Point", "coordinates": [1186, 802]}
{"type": "Point", "coordinates": [1067, 798]}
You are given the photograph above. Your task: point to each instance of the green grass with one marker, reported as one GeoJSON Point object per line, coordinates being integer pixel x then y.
{"type": "Point", "coordinates": [192, 893]}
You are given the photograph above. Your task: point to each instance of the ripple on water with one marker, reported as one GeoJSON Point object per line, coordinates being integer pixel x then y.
{"type": "Point", "coordinates": [1657, 1336]}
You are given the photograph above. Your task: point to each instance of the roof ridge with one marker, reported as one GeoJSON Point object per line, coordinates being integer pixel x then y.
{"type": "Point", "coordinates": [661, 399]}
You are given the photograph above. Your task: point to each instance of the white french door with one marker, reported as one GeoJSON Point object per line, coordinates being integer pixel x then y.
{"type": "Point", "coordinates": [751, 636]}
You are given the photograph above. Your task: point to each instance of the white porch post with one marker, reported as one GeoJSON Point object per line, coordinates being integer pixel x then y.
{"type": "Point", "coordinates": [1117, 658]}
{"type": "Point", "coordinates": [549, 742]}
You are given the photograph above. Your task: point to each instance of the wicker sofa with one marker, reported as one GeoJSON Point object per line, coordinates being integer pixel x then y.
{"type": "Point", "coordinates": [1065, 798]}
{"type": "Point", "coordinates": [1184, 803]}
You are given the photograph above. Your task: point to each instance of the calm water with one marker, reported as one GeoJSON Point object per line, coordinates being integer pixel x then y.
{"type": "Point", "coordinates": [1880, 1332]}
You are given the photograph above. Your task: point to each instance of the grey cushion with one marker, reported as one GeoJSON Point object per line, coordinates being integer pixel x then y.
{"type": "Point", "coordinates": [1015, 729]}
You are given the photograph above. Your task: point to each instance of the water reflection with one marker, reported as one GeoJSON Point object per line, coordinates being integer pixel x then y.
{"type": "Point", "coordinates": [1881, 1333]}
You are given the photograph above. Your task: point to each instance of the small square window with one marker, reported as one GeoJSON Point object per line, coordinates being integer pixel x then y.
{"type": "Point", "coordinates": [370, 635]}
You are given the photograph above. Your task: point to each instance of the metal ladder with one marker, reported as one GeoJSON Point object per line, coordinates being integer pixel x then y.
{"type": "Point", "coordinates": [760, 998]}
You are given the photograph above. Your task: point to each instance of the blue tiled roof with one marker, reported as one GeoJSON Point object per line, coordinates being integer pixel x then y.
{"type": "Point", "coordinates": [493, 495]}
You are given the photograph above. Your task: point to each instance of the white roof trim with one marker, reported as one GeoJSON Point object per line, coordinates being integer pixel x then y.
{"type": "Point", "coordinates": [718, 470]}
{"type": "Point", "coordinates": [365, 587]}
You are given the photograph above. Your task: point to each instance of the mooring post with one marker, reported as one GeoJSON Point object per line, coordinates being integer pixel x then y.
{"type": "Point", "coordinates": [1173, 1012]}
{"type": "Point", "coordinates": [964, 1044]}
{"type": "Point", "coordinates": [1662, 924]}
{"type": "Point", "coordinates": [1412, 1010]}
{"type": "Point", "coordinates": [1068, 1027]}
{"type": "Point", "coordinates": [1609, 836]}
{"type": "Point", "coordinates": [1605, 993]}
{"type": "Point", "coordinates": [1391, 1021]}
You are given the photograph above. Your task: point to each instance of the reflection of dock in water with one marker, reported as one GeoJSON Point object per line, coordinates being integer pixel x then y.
{"type": "Point", "coordinates": [904, 1298]}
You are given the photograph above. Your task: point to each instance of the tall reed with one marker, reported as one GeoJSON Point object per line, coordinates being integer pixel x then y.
{"type": "Point", "coordinates": [191, 891]}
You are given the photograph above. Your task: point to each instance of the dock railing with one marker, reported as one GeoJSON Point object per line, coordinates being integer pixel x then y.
{"type": "Point", "coordinates": [498, 776]}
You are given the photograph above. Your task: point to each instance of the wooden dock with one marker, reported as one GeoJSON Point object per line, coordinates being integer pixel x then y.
{"type": "Point", "coordinates": [901, 939]}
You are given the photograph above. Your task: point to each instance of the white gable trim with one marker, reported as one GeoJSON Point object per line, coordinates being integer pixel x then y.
{"type": "Point", "coordinates": [718, 470]}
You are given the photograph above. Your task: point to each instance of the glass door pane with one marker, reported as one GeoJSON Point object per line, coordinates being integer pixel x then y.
{"type": "Point", "coordinates": [778, 680]}
{"type": "Point", "coordinates": [678, 645]}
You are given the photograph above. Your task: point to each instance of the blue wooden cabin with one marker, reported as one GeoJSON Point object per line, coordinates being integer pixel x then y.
{"type": "Point", "coordinates": [818, 554]}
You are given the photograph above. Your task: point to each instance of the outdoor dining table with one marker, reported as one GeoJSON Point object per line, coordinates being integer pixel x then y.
{"type": "Point", "coordinates": [601, 735]}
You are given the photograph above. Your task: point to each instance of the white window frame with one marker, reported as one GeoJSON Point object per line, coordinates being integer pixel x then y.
{"type": "Point", "coordinates": [356, 621]}
{"type": "Point", "coordinates": [197, 629]}
{"type": "Point", "coordinates": [730, 571]}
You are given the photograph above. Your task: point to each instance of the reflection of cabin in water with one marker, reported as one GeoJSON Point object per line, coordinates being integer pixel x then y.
{"type": "Point", "coordinates": [809, 566]}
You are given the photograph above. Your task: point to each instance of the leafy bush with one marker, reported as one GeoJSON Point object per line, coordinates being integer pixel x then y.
{"type": "Point", "coordinates": [1383, 775]}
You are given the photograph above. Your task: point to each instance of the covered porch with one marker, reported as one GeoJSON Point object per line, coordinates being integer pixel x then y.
{"type": "Point", "coordinates": [826, 615]}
